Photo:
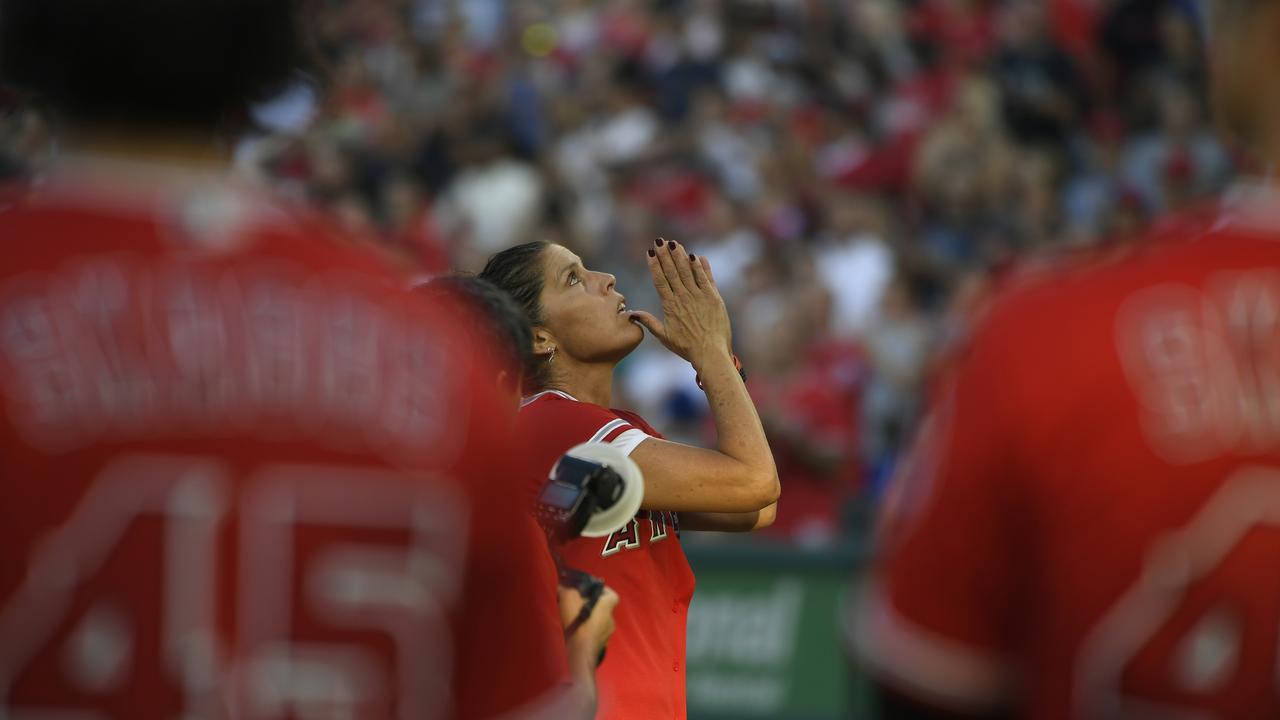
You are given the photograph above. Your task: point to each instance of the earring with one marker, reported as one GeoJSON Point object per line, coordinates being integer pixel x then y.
{"type": "Point", "coordinates": [553, 355]}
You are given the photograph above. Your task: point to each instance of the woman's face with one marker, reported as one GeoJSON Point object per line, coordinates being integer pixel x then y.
{"type": "Point", "coordinates": [583, 311]}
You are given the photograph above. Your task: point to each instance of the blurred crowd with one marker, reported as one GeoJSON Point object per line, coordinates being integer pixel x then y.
{"type": "Point", "coordinates": [854, 170]}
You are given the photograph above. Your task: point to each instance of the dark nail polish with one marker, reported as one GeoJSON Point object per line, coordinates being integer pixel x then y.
{"type": "Point", "coordinates": [671, 244]}
{"type": "Point", "coordinates": [693, 258]}
{"type": "Point", "coordinates": [652, 253]}
{"type": "Point", "coordinates": [658, 242]}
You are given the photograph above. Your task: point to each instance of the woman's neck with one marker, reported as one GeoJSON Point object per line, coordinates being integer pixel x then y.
{"type": "Point", "coordinates": [591, 383]}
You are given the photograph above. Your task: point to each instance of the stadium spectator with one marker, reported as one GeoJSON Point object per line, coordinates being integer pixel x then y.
{"type": "Point", "coordinates": [807, 383]}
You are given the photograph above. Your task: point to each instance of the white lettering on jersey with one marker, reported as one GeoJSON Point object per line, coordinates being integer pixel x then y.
{"type": "Point", "coordinates": [628, 538]}
{"type": "Point", "coordinates": [373, 560]}
{"type": "Point", "coordinates": [111, 348]}
{"type": "Point", "coordinates": [659, 522]}
{"type": "Point", "coordinates": [1205, 365]}
{"type": "Point", "coordinates": [1179, 625]}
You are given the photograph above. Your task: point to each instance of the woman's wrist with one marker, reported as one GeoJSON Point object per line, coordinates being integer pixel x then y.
{"type": "Point", "coordinates": [708, 356]}
{"type": "Point", "coordinates": [584, 655]}
{"type": "Point", "coordinates": [733, 361]}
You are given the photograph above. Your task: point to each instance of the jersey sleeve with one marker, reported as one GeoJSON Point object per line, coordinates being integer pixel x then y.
{"type": "Point", "coordinates": [618, 432]}
{"type": "Point", "coordinates": [565, 423]}
{"type": "Point", "coordinates": [938, 616]}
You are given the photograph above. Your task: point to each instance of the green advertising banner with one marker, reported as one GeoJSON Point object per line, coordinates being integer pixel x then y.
{"type": "Point", "coordinates": [765, 637]}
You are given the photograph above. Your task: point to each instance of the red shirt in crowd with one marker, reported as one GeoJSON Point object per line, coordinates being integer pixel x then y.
{"type": "Point", "coordinates": [242, 473]}
{"type": "Point", "coordinates": [1091, 525]}
{"type": "Point", "coordinates": [817, 408]}
{"type": "Point", "coordinates": [642, 677]}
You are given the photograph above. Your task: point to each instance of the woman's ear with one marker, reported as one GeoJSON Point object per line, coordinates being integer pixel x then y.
{"type": "Point", "coordinates": [544, 343]}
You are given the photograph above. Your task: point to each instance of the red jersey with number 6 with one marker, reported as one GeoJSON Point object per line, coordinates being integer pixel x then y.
{"type": "Point", "coordinates": [242, 473]}
{"type": "Point", "coordinates": [1090, 527]}
{"type": "Point", "coordinates": [642, 677]}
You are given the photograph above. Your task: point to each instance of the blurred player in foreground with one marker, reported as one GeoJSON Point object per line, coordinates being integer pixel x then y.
{"type": "Point", "coordinates": [242, 473]}
{"type": "Point", "coordinates": [547, 657]}
{"type": "Point", "coordinates": [581, 330]}
{"type": "Point", "coordinates": [1091, 526]}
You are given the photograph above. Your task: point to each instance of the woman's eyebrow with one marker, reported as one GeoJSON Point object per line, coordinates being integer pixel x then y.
{"type": "Point", "coordinates": [569, 267]}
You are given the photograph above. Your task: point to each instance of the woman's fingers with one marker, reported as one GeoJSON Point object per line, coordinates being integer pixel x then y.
{"type": "Point", "coordinates": [701, 272]}
{"type": "Point", "coordinates": [667, 260]}
{"type": "Point", "coordinates": [684, 267]}
{"type": "Point", "coordinates": [705, 264]}
{"type": "Point", "coordinates": [650, 323]}
{"type": "Point", "coordinates": [659, 276]}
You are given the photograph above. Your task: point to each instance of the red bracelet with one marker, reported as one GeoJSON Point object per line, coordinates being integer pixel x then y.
{"type": "Point", "coordinates": [737, 365]}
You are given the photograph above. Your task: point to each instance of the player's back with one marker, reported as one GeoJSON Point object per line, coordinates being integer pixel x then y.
{"type": "Point", "coordinates": [1096, 517]}
{"type": "Point", "coordinates": [238, 465]}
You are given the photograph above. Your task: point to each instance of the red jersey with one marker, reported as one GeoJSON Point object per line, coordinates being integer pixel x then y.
{"type": "Point", "coordinates": [1091, 526]}
{"type": "Point", "coordinates": [242, 473]}
{"type": "Point", "coordinates": [642, 677]}
{"type": "Point", "coordinates": [520, 659]}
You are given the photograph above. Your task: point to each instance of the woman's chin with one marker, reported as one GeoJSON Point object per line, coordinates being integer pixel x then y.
{"type": "Point", "coordinates": [610, 346]}
{"type": "Point", "coordinates": [628, 340]}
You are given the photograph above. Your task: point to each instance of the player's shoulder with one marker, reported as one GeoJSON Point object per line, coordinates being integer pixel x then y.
{"type": "Point", "coordinates": [636, 421]}
{"type": "Point", "coordinates": [290, 228]}
{"type": "Point", "coordinates": [1076, 291]}
{"type": "Point", "coordinates": [177, 210]}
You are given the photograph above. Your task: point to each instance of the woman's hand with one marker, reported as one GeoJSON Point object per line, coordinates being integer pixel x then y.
{"type": "Point", "coordinates": [695, 321]}
{"type": "Point", "coordinates": [587, 644]}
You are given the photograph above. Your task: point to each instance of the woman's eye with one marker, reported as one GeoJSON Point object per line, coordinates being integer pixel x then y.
{"type": "Point", "coordinates": [573, 278]}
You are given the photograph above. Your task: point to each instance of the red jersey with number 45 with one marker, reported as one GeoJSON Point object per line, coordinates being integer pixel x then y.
{"type": "Point", "coordinates": [642, 677]}
{"type": "Point", "coordinates": [1091, 525]}
{"type": "Point", "coordinates": [241, 471]}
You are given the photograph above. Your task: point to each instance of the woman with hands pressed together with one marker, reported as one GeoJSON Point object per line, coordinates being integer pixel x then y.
{"type": "Point", "coordinates": [581, 330]}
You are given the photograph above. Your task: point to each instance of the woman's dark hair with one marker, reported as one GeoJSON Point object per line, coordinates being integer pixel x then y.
{"type": "Point", "coordinates": [191, 64]}
{"type": "Point", "coordinates": [502, 319]}
{"type": "Point", "coordinates": [518, 272]}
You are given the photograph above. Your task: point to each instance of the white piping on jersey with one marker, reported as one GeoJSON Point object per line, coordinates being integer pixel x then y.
{"type": "Point", "coordinates": [535, 396]}
{"type": "Point", "coordinates": [629, 440]}
{"type": "Point", "coordinates": [936, 667]}
{"type": "Point", "coordinates": [608, 428]}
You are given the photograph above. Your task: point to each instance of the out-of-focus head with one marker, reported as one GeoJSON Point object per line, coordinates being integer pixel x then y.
{"type": "Point", "coordinates": [1244, 50]}
{"type": "Point", "coordinates": [497, 318]}
{"type": "Point", "coordinates": [573, 310]}
{"type": "Point", "coordinates": [517, 271]}
{"type": "Point", "coordinates": [1180, 113]}
{"type": "Point", "coordinates": [149, 64]}
{"type": "Point", "coordinates": [1022, 24]}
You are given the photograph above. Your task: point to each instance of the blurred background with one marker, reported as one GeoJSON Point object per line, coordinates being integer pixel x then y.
{"type": "Point", "coordinates": [859, 173]}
